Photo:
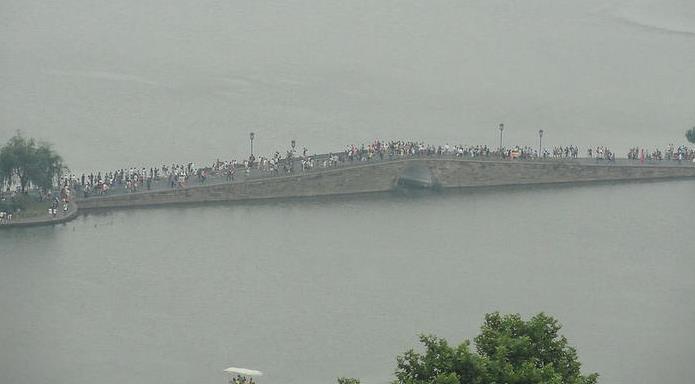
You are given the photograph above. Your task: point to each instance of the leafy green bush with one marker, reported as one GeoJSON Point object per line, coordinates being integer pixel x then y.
{"type": "Point", "coordinates": [348, 380]}
{"type": "Point", "coordinates": [508, 350]}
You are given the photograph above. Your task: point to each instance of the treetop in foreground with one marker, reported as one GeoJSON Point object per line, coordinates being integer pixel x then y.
{"type": "Point", "coordinates": [508, 350]}
{"type": "Point", "coordinates": [690, 135]}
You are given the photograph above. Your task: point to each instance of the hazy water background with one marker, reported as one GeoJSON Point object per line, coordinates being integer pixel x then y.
{"type": "Point", "coordinates": [307, 291]}
{"type": "Point", "coordinates": [133, 83]}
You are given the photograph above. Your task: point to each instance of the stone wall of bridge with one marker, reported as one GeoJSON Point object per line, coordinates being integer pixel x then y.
{"type": "Point", "coordinates": [457, 174]}
{"type": "Point", "coordinates": [368, 178]}
{"type": "Point", "coordinates": [385, 176]}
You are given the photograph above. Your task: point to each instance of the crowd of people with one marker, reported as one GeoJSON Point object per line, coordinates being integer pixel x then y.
{"type": "Point", "coordinates": [178, 176]}
{"type": "Point", "coordinates": [399, 149]}
{"type": "Point", "coordinates": [5, 217]}
{"type": "Point", "coordinates": [11, 208]}
{"type": "Point", "coordinates": [680, 153]}
{"type": "Point", "coordinates": [183, 175]}
{"type": "Point", "coordinates": [134, 179]}
{"type": "Point", "coordinates": [7, 209]}
{"type": "Point", "coordinates": [600, 153]}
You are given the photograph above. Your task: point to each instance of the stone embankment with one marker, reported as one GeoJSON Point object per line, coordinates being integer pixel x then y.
{"type": "Point", "coordinates": [389, 175]}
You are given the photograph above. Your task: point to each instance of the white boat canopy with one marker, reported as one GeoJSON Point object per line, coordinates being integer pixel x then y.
{"type": "Point", "coordinates": [243, 371]}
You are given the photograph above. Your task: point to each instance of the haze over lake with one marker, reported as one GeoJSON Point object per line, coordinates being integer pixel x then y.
{"type": "Point", "coordinates": [133, 83]}
{"type": "Point", "coordinates": [310, 290]}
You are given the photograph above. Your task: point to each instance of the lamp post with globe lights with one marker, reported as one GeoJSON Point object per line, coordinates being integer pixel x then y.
{"type": "Point", "coordinates": [251, 137]}
{"type": "Point", "coordinates": [501, 128]}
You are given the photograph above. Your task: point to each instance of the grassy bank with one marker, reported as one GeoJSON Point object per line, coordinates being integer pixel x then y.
{"type": "Point", "coordinates": [25, 207]}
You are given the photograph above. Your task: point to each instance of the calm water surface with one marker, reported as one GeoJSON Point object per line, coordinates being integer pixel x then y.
{"type": "Point", "coordinates": [307, 291]}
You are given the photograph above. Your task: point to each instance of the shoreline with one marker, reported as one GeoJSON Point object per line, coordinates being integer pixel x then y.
{"type": "Point", "coordinates": [35, 221]}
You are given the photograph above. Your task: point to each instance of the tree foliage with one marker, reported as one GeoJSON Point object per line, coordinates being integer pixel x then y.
{"type": "Point", "coordinates": [508, 350]}
{"type": "Point", "coordinates": [28, 162]}
{"type": "Point", "coordinates": [690, 135]}
{"type": "Point", "coordinates": [348, 380]}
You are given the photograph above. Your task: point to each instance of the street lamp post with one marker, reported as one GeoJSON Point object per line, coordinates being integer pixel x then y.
{"type": "Point", "coordinates": [501, 130]}
{"type": "Point", "coordinates": [540, 143]}
{"type": "Point", "coordinates": [251, 137]}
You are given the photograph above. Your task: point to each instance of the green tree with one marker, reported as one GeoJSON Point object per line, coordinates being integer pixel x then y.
{"type": "Point", "coordinates": [690, 135]}
{"type": "Point", "coordinates": [508, 350]}
{"type": "Point", "coordinates": [29, 162]}
{"type": "Point", "coordinates": [348, 380]}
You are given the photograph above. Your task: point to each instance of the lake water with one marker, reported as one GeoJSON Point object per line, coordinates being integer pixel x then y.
{"type": "Point", "coordinates": [310, 290]}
